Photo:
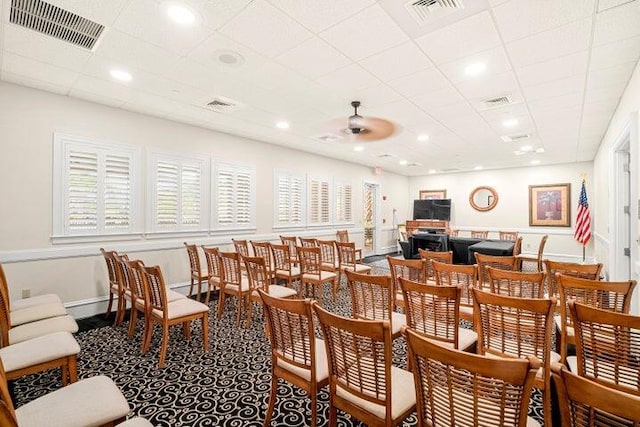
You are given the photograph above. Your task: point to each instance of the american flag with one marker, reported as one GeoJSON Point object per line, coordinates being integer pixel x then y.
{"type": "Point", "coordinates": [583, 219]}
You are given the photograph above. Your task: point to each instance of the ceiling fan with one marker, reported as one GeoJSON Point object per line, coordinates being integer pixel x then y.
{"type": "Point", "coordinates": [366, 128]}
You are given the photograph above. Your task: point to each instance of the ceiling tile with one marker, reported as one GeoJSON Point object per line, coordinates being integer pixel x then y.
{"type": "Point", "coordinates": [496, 61]}
{"type": "Point", "coordinates": [463, 38]}
{"type": "Point", "coordinates": [617, 24]}
{"type": "Point", "coordinates": [216, 13]}
{"type": "Point", "coordinates": [101, 11]}
{"type": "Point", "coordinates": [605, 93]}
{"type": "Point", "coordinates": [565, 40]}
{"type": "Point", "coordinates": [320, 15]}
{"type": "Point", "coordinates": [208, 52]}
{"type": "Point", "coordinates": [554, 69]}
{"type": "Point", "coordinates": [555, 88]}
{"type": "Point", "coordinates": [265, 29]}
{"type": "Point", "coordinates": [365, 34]}
{"type": "Point", "coordinates": [396, 62]}
{"type": "Point", "coordinates": [375, 95]}
{"type": "Point", "coordinates": [615, 53]}
{"type": "Point", "coordinates": [489, 87]}
{"type": "Point", "coordinates": [313, 58]}
{"type": "Point", "coordinates": [350, 78]}
{"type": "Point", "coordinates": [35, 70]}
{"type": "Point", "coordinates": [610, 76]}
{"type": "Point", "coordinates": [420, 83]}
{"type": "Point", "coordinates": [36, 84]}
{"type": "Point", "coordinates": [447, 95]}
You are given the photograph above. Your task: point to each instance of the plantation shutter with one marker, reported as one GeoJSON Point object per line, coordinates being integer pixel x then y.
{"type": "Point", "coordinates": [319, 201]}
{"type": "Point", "coordinates": [166, 194]}
{"type": "Point", "coordinates": [343, 202]}
{"type": "Point", "coordinates": [235, 196]}
{"type": "Point", "coordinates": [289, 199]}
{"type": "Point", "coordinates": [191, 190]}
{"type": "Point", "coordinates": [82, 191]}
{"type": "Point", "coordinates": [117, 192]}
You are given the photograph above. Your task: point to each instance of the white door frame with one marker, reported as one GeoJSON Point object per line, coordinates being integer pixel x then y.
{"type": "Point", "coordinates": [377, 215]}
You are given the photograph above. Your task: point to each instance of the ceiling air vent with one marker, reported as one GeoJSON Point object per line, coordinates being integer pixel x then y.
{"type": "Point", "coordinates": [515, 138]}
{"type": "Point", "coordinates": [220, 104]}
{"type": "Point", "coordinates": [55, 22]}
{"type": "Point", "coordinates": [498, 102]}
{"type": "Point", "coordinates": [385, 156]}
{"type": "Point", "coordinates": [328, 137]}
{"type": "Point", "coordinates": [414, 164]}
{"type": "Point", "coordinates": [424, 10]}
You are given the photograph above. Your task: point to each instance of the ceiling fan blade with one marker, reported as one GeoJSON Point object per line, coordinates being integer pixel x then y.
{"type": "Point", "coordinates": [376, 129]}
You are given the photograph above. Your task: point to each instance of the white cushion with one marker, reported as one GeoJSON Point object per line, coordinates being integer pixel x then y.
{"type": "Point", "coordinates": [558, 321]}
{"type": "Point", "coordinates": [359, 268]}
{"type": "Point", "coordinates": [322, 367]}
{"type": "Point", "coordinates": [91, 402]}
{"type": "Point", "coordinates": [36, 312]}
{"type": "Point", "coordinates": [279, 291]}
{"type": "Point", "coordinates": [398, 320]}
{"type": "Point", "coordinates": [136, 422]}
{"type": "Point", "coordinates": [244, 285]}
{"type": "Point", "coordinates": [572, 361]}
{"type": "Point", "coordinates": [466, 338]}
{"type": "Point", "coordinates": [532, 423]}
{"type": "Point", "coordinates": [466, 310]}
{"type": "Point", "coordinates": [403, 395]}
{"type": "Point", "coordinates": [35, 300]}
{"type": "Point", "coordinates": [182, 307]}
{"type": "Point", "coordinates": [295, 271]}
{"type": "Point", "coordinates": [324, 275]}
{"type": "Point", "coordinates": [38, 350]}
{"type": "Point", "coordinates": [173, 295]}
{"type": "Point", "coordinates": [42, 327]}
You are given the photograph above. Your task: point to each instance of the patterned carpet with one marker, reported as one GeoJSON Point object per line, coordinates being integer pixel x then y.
{"type": "Point", "coordinates": [227, 386]}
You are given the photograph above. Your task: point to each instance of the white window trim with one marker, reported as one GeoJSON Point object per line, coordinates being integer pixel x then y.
{"type": "Point", "coordinates": [328, 180]}
{"type": "Point", "coordinates": [217, 166]}
{"type": "Point", "coordinates": [153, 230]}
{"type": "Point", "coordinates": [334, 212]}
{"type": "Point", "coordinates": [59, 194]}
{"type": "Point", "coordinates": [277, 173]}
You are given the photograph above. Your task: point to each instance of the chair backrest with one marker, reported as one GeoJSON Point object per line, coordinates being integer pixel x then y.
{"type": "Point", "coordinates": [257, 272]}
{"type": "Point", "coordinates": [607, 346]}
{"type": "Point", "coordinates": [347, 254]}
{"type": "Point", "coordinates": [156, 291]}
{"type": "Point", "coordinates": [194, 259]}
{"type": "Point", "coordinates": [543, 242]}
{"type": "Point", "coordinates": [123, 274]}
{"type": "Point", "coordinates": [263, 250]}
{"type": "Point", "coordinates": [479, 234]}
{"type": "Point", "coordinates": [328, 251]}
{"type": "Point", "coordinates": [508, 235]}
{"type": "Point", "coordinates": [136, 279]}
{"type": "Point", "coordinates": [241, 246]}
{"type": "Point", "coordinates": [7, 411]}
{"type": "Point", "coordinates": [454, 233]}
{"type": "Point", "coordinates": [308, 242]}
{"type": "Point", "coordinates": [412, 269]}
{"type": "Point", "coordinates": [371, 296]}
{"type": "Point", "coordinates": [517, 246]}
{"type": "Point", "coordinates": [500, 262]}
{"type": "Point", "coordinates": [230, 271]}
{"type": "Point", "coordinates": [470, 389]}
{"type": "Point", "coordinates": [310, 260]}
{"type": "Point", "coordinates": [460, 275]}
{"type": "Point", "coordinates": [342, 236]}
{"type": "Point", "coordinates": [5, 316]}
{"type": "Point", "coordinates": [291, 333]}
{"type": "Point", "coordinates": [516, 283]}
{"type": "Point", "coordinates": [212, 256]}
{"type": "Point", "coordinates": [585, 271]}
{"type": "Point", "coordinates": [359, 353]}
{"type": "Point", "coordinates": [281, 257]}
{"type": "Point", "coordinates": [292, 242]}
{"type": "Point", "coordinates": [585, 403]}
{"type": "Point", "coordinates": [111, 266]}
{"type": "Point", "coordinates": [446, 257]}
{"type": "Point", "coordinates": [432, 310]}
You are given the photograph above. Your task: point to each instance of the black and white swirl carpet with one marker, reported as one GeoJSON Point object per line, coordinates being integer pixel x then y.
{"type": "Point", "coordinates": [228, 386]}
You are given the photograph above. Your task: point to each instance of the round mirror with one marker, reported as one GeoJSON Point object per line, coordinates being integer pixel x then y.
{"type": "Point", "coordinates": [483, 198]}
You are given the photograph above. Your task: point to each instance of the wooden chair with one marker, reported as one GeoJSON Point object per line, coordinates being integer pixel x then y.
{"type": "Point", "coordinates": [308, 242]}
{"type": "Point", "coordinates": [479, 234]}
{"type": "Point", "coordinates": [232, 283]}
{"type": "Point", "coordinates": [610, 296]}
{"type": "Point", "coordinates": [517, 249]}
{"type": "Point", "coordinates": [241, 246]}
{"type": "Point", "coordinates": [348, 261]}
{"type": "Point", "coordinates": [585, 271]}
{"type": "Point", "coordinates": [528, 263]}
{"type": "Point", "coordinates": [212, 257]}
{"type": "Point", "coordinates": [463, 276]}
{"type": "Point", "coordinates": [508, 235]}
{"type": "Point", "coordinates": [585, 403]}
{"type": "Point", "coordinates": [133, 283]}
{"type": "Point", "coordinates": [372, 299]}
{"type": "Point", "coordinates": [312, 274]}
{"type": "Point", "coordinates": [433, 311]}
{"type": "Point", "coordinates": [509, 263]}
{"type": "Point", "coordinates": [297, 356]}
{"type": "Point", "coordinates": [196, 273]}
{"type": "Point", "coordinates": [412, 269]}
{"type": "Point", "coordinates": [445, 257]}
{"type": "Point", "coordinates": [292, 243]}
{"type": "Point", "coordinates": [607, 347]}
{"type": "Point", "coordinates": [329, 256]}
{"type": "Point", "coordinates": [263, 250]}
{"type": "Point", "coordinates": [518, 327]}
{"type": "Point", "coordinates": [516, 283]}
{"type": "Point", "coordinates": [124, 283]}
{"type": "Point", "coordinates": [94, 401]}
{"type": "Point", "coordinates": [362, 380]}
{"type": "Point", "coordinates": [342, 236]}
{"type": "Point", "coordinates": [114, 289]}
{"type": "Point", "coordinates": [285, 269]}
{"type": "Point", "coordinates": [260, 278]}
{"type": "Point", "coordinates": [466, 390]}
{"type": "Point", "coordinates": [454, 233]}
{"type": "Point", "coordinates": [167, 313]}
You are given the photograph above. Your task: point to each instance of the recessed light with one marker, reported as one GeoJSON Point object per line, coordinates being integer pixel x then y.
{"type": "Point", "coordinates": [180, 14]}
{"type": "Point", "coordinates": [282, 125]}
{"type": "Point", "coordinates": [228, 58]}
{"type": "Point", "coordinates": [540, 150]}
{"type": "Point", "coordinates": [535, 162]}
{"type": "Point", "coordinates": [432, 171]}
{"type": "Point", "coordinates": [120, 75]}
{"type": "Point", "coordinates": [475, 69]}
{"type": "Point", "coordinates": [358, 148]}
{"type": "Point", "coordinates": [526, 148]}
{"type": "Point", "coordinates": [509, 123]}
{"type": "Point", "coordinates": [423, 138]}
{"type": "Point", "coordinates": [478, 168]}
{"type": "Point", "coordinates": [403, 162]}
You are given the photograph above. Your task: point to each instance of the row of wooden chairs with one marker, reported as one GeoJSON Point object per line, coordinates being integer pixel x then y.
{"type": "Point", "coordinates": [484, 234]}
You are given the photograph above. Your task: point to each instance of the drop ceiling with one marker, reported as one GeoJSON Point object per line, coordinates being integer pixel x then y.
{"type": "Point", "coordinates": [562, 64]}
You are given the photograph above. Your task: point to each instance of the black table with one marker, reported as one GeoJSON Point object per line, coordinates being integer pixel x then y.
{"type": "Point", "coordinates": [429, 241]}
{"type": "Point", "coordinates": [460, 248]}
{"type": "Point", "coordinates": [491, 247]}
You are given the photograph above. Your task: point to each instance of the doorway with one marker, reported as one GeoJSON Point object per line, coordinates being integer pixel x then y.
{"type": "Point", "coordinates": [370, 215]}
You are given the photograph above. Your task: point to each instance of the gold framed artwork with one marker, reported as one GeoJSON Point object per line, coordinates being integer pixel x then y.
{"type": "Point", "coordinates": [433, 194]}
{"type": "Point", "coordinates": [550, 205]}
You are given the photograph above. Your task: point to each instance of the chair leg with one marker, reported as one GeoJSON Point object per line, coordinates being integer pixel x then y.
{"type": "Point", "coordinates": [122, 306]}
{"type": "Point", "coordinates": [239, 309]}
{"type": "Point", "coordinates": [314, 407]}
{"type": "Point", "coordinates": [334, 289]}
{"type": "Point", "coordinates": [164, 345]}
{"type": "Point", "coordinates": [546, 405]}
{"type": "Point", "coordinates": [191, 287]}
{"type": "Point", "coordinates": [106, 315]}
{"type": "Point", "coordinates": [133, 320]}
{"type": "Point", "coordinates": [272, 400]}
{"type": "Point", "coordinates": [206, 299]}
{"type": "Point", "coordinates": [64, 374]}
{"type": "Point", "coordinates": [148, 335]}
{"type": "Point", "coordinates": [221, 301]}
{"type": "Point", "coordinates": [186, 329]}
{"type": "Point", "coordinates": [333, 415]}
{"type": "Point", "coordinates": [72, 368]}
{"type": "Point", "coordinates": [247, 322]}
{"type": "Point", "coordinates": [205, 331]}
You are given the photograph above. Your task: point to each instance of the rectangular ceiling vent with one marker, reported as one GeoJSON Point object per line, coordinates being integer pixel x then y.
{"type": "Point", "coordinates": [385, 156]}
{"type": "Point", "coordinates": [423, 11]}
{"type": "Point", "coordinates": [498, 102]}
{"type": "Point", "coordinates": [56, 22]}
{"type": "Point", "coordinates": [516, 138]}
{"type": "Point", "coordinates": [220, 104]}
{"type": "Point", "coordinates": [328, 137]}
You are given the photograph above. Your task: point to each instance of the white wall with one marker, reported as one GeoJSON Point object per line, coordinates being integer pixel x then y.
{"type": "Point", "coordinates": [512, 211]}
{"type": "Point", "coordinates": [28, 119]}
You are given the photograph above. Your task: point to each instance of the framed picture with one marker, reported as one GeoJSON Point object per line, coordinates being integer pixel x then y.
{"type": "Point", "coordinates": [549, 205]}
{"type": "Point", "coordinates": [433, 194]}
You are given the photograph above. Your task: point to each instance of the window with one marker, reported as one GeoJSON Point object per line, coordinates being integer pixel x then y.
{"type": "Point", "coordinates": [178, 193]}
{"type": "Point", "coordinates": [319, 201]}
{"type": "Point", "coordinates": [342, 202]}
{"type": "Point", "coordinates": [95, 188]}
{"type": "Point", "coordinates": [288, 199]}
{"type": "Point", "coordinates": [235, 196]}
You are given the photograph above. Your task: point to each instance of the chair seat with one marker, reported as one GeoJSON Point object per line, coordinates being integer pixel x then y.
{"type": "Point", "coordinates": [322, 366]}
{"type": "Point", "coordinates": [181, 308]}
{"type": "Point", "coordinates": [324, 275]}
{"type": "Point", "coordinates": [35, 300]}
{"type": "Point", "coordinates": [553, 357]}
{"type": "Point", "coordinates": [403, 395]}
{"type": "Point", "coordinates": [466, 310]}
{"type": "Point", "coordinates": [558, 322]}
{"type": "Point", "coordinates": [91, 402]}
{"type": "Point", "coordinates": [467, 338]}
{"type": "Point", "coordinates": [243, 287]}
{"type": "Point", "coordinates": [398, 320]}
{"type": "Point", "coordinates": [358, 268]}
{"type": "Point", "coordinates": [330, 266]}
{"type": "Point", "coordinates": [277, 291]}
{"type": "Point", "coordinates": [174, 296]}
{"type": "Point", "coordinates": [295, 272]}
{"type": "Point", "coordinates": [38, 350]}
{"type": "Point", "coordinates": [42, 327]}
{"type": "Point", "coordinates": [37, 312]}
{"type": "Point", "coordinates": [136, 422]}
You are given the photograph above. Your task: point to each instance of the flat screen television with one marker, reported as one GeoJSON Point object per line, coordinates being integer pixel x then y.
{"type": "Point", "coordinates": [432, 209]}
